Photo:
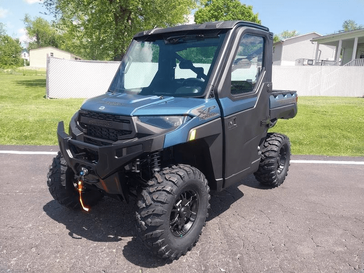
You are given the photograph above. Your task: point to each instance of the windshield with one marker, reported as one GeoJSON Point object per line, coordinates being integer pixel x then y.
{"type": "Point", "coordinates": [178, 65]}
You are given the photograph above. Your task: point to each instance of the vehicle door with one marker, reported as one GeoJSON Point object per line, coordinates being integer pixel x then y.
{"type": "Point", "coordinates": [245, 106]}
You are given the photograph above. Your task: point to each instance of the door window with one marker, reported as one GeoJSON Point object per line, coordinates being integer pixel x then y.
{"type": "Point", "coordinates": [247, 64]}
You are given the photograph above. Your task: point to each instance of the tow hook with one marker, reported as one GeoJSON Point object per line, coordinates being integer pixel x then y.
{"type": "Point", "coordinates": [80, 187]}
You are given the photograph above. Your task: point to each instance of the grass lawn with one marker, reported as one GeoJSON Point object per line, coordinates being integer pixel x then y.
{"type": "Point", "coordinates": [324, 125]}
{"type": "Point", "coordinates": [27, 118]}
{"type": "Point", "coordinates": [332, 126]}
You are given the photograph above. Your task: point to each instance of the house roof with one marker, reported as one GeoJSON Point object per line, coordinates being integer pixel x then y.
{"type": "Point", "coordinates": [297, 37]}
{"type": "Point", "coordinates": [54, 48]}
{"type": "Point", "coordinates": [344, 35]}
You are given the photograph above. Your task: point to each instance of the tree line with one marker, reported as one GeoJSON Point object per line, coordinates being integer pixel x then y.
{"type": "Point", "coordinates": [10, 50]}
{"type": "Point", "coordinates": [103, 29]}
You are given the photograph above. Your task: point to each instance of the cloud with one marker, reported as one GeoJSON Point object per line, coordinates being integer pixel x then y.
{"type": "Point", "coordinates": [23, 37]}
{"type": "Point", "coordinates": [3, 12]}
{"type": "Point", "coordinates": [9, 25]}
{"type": "Point", "coordinates": [33, 1]}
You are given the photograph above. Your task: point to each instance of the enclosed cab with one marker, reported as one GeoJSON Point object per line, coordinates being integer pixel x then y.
{"type": "Point", "coordinates": [188, 111]}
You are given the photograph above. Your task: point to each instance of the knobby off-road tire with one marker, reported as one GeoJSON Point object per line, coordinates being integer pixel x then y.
{"type": "Point", "coordinates": [172, 211]}
{"type": "Point", "coordinates": [275, 160]}
{"type": "Point", "coordinates": [59, 175]}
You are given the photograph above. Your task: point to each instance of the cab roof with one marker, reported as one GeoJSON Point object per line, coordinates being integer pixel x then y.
{"type": "Point", "coordinates": [205, 26]}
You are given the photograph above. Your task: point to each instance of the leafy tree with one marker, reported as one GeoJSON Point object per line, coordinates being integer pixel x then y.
{"type": "Point", "coordinates": [285, 35]}
{"type": "Point", "coordinates": [289, 34]}
{"type": "Point", "coordinates": [41, 32]}
{"type": "Point", "coordinates": [10, 51]}
{"type": "Point", "coordinates": [350, 25]}
{"type": "Point", "coordinates": [103, 29]}
{"type": "Point", "coordinates": [276, 38]}
{"type": "Point", "coordinates": [224, 10]}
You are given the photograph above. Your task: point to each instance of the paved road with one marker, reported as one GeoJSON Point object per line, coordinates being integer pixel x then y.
{"type": "Point", "coordinates": [314, 222]}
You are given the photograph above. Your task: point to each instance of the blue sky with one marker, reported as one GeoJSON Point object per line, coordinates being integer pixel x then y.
{"type": "Point", "coordinates": [304, 16]}
{"type": "Point", "coordinates": [12, 13]}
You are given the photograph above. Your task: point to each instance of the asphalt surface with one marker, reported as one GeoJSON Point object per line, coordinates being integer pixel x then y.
{"type": "Point", "coordinates": [314, 222]}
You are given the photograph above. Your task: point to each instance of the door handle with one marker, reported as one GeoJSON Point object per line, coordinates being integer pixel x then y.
{"type": "Point", "coordinates": [232, 123]}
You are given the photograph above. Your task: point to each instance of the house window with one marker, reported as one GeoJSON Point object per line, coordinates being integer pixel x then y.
{"type": "Point", "coordinates": [247, 64]}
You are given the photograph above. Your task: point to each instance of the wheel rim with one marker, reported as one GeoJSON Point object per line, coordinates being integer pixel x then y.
{"type": "Point", "coordinates": [282, 159]}
{"type": "Point", "coordinates": [184, 213]}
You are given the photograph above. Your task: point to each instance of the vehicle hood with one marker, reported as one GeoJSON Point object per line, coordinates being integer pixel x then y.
{"type": "Point", "coordinates": [135, 105]}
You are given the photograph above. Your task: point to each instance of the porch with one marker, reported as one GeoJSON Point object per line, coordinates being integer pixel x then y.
{"type": "Point", "coordinates": [349, 48]}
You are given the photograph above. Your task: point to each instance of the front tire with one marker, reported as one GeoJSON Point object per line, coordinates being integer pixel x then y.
{"type": "Point", "coordinates": [172, 211]}
{"type": "Point", "coordinates": [60, 183]}
{"type": "Point", "coordinates": [275, 160]}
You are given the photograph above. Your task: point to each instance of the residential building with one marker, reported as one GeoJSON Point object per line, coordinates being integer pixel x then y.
{"type": "Point", "coordinates": [349, 46]}
{"type": "Point", "coordinates": [25, 54]}
{"type": "Point", "coordinates": [299, 50]}
{"type": "Point", "coordinates": [38, 56]}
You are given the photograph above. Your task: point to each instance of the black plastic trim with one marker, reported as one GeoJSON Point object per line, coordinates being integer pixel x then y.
{"type": "Point", "coordinates": [110, 158]}
{"type": "Point", "coordinates": [283, 112]}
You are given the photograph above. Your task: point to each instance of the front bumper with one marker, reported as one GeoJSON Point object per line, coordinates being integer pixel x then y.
{"type": "Point", "coordinates": [109, 159]}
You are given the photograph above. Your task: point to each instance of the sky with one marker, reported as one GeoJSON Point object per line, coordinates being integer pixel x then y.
{"type": "Point", "coordinates": [305, 16]}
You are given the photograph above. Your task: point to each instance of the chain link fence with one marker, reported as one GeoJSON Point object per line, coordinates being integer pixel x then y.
{"type": "Point", "coordinates": [78, 79]}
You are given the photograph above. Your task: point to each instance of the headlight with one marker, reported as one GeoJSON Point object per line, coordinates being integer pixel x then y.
{"type": "Point", "coordinates": [165, 122]}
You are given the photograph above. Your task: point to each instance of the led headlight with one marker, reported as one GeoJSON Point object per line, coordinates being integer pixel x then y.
{"type": "Point", "coordinates": [165, 122]}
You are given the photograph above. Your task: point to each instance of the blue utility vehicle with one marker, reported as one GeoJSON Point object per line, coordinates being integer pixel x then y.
{"type": "Point", "coordinates": [188, 111]}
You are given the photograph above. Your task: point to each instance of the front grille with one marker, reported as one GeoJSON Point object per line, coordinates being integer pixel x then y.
{"type": "Point", "coordinates": [106, 126]}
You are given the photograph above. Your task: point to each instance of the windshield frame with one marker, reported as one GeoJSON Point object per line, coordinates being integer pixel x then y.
{"type": "Point", "coordinates": [170, 47]}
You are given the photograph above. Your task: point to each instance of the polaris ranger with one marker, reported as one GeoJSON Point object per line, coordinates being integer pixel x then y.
{"type": "Point", "coordinates": [188, 111]}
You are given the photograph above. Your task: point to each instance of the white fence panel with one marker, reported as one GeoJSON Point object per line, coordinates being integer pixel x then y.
{"type": "Point", "coordinates": [78, 79]}
{"type": "Point", "coordinates": [341, 81]}
{"type": "Point", "coordinates": [86, 79]}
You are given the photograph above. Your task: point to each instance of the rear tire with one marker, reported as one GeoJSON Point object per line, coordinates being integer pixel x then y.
{"type": "Point", "coordinates": [275, 160]}
{"type": "Point", "coordinates": [172, 211]}
{"type": "Point", "coordinates": [60, 184]}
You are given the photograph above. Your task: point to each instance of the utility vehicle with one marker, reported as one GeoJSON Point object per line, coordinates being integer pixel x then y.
{"type": "Point", "coordinates": [188, 111]}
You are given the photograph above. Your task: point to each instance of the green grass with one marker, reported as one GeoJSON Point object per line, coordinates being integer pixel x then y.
{"type": "Point", "coordinates": [323, 126]}
{"type": "Point", "coordinates": [26, 117]}
{"type": "Point", "coordinates": [332, 126]}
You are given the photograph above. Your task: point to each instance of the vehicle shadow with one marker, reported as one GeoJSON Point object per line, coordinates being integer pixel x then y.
{"type": "Point", "coordinates": [221, 201]}
{"type": "Point", "coordinates": [32, 83]}
{"type": "Point", "coordinates": [108, 221]}
{"type": "Point", "coordinates": [111, 220]}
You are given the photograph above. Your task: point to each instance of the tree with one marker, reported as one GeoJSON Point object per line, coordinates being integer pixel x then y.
{"type": "Point", "coordinates": [350, 25]}
{"type": "Point", "coordinates": [276, 38]}
{"type": "Point", "coordinates": [41, 32]}
{"type": "Point", "coordinates": [224, 10]}
{"type": "Point", "coordinates": [10, 51]}
{"type": "Point", "coordinates": [103, 29]}
{"type": "Point", "coordinates": [289, 34]}
{"type": "Point", "coordinates": [285, 35]}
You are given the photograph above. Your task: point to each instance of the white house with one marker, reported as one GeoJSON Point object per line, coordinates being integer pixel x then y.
{"type": "Point", "coordinates": [38, 56]}
{"type": "Point", "coordinates": [299, 50]}
{"type": "Point", "coordinates": [349, 46]}
{"type": "Point", "coordinates": [25, 54]}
